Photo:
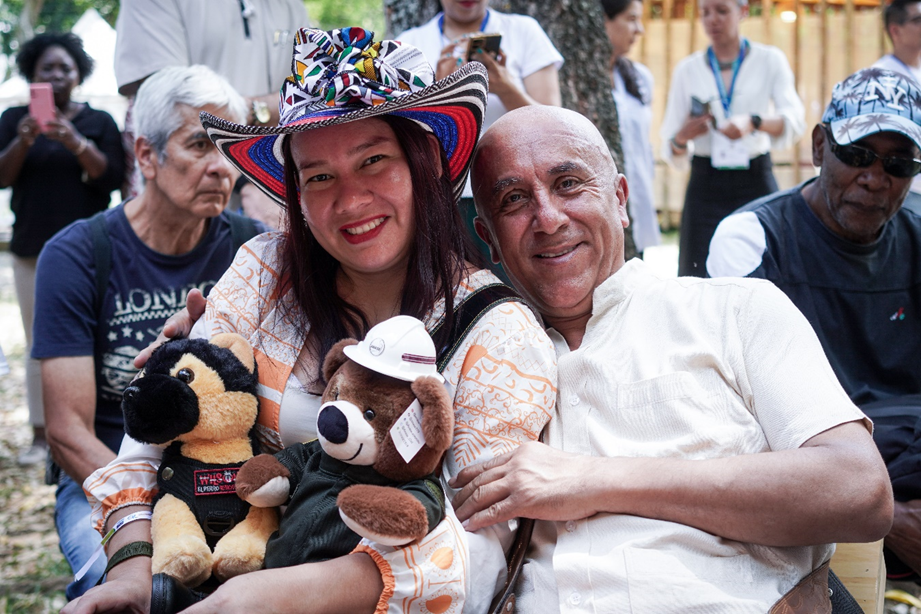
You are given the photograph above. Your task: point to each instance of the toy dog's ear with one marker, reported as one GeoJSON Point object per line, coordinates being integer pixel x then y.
{"type": "Point", "coordinates": [239, 346]}
{"type": "Point", "coordinates": [336, 358]}
{"type": "Point", "coordinates": [437, 413]}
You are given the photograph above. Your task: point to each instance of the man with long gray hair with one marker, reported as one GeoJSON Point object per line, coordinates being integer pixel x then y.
{"type": "Point", "coordinates": [105, 285]}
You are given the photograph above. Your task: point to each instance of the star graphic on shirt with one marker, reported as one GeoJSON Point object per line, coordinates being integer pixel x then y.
{"type": "Point", "coordinates": [126, 331]}
{"type": "Point", "coordinates": [139, 336]}
{"type": "Point", "coordinates": [113, 336]}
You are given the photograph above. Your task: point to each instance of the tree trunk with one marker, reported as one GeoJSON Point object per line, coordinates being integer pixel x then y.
{"type": "Point", "coordinates": [401, 15]}
{"type": "Point", "coordinates": [576, 28]}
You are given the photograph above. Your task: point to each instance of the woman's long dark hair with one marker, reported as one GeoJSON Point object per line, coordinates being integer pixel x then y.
{"type": "Point", "coordinates": [613, 8]}
{"type": "Point", "coordinates": [436, 261]}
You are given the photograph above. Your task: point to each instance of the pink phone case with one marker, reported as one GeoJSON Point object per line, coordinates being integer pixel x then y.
{"type": "Point", "coordinates": [41, 103]}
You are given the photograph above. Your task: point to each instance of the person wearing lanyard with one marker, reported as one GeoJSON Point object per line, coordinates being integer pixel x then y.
{"type": "Point", "coordinates": [728, 106]}
{"type": "Point", "coordinates": [524, 72]}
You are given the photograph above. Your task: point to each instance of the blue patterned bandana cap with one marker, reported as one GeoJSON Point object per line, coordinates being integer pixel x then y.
{"type": "Point", "coordinates": [874, 100]}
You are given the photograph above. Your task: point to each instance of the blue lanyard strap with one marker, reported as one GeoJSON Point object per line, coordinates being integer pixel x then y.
{"type": "Point", "coordinates": [441, 22]}
{"type": "Point", "coordinates": [726, 97]}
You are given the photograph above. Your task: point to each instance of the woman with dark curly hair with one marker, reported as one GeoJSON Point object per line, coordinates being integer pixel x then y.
{"type": "Point", "coordinates": [60, 173]}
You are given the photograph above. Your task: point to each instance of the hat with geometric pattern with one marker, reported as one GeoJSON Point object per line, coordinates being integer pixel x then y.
{"type": "Point", "coordinates": [343, 76]}
{"type": "Point", "coordinates": [874, 100]}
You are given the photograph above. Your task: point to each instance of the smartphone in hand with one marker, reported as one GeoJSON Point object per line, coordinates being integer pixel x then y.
{"type": "Point", "coordinates": [699, 107]}
{"type": "Point", "coordinates": [41, 103]}
{"type": "Point", "coordinates": [488, 43]}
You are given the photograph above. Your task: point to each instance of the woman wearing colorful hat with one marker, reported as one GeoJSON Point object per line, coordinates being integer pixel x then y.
{"type": "Point", "coordinates": [369, 159]}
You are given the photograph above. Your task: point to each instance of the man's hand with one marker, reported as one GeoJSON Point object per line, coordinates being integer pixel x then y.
{"type": "Point", "coordinates": [177, 326]}
{"type": "Point", "coordinates": [532, 481]}
{"type": "Point", "coordinates": [904, 538]}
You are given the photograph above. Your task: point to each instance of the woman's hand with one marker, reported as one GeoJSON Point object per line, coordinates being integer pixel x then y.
{"type": "Point", "coordinates": [737, 127]}
{"type": "Point", "coordinates": [692, 128]}
{"type": "Point", "coordinates": [350, 583]}
{"type": "Point", "coordinates": [177, 326]}
{"type": "Point", "coordinates": [61, 130]}
{"type": "Point", "coordinates": [500, 82]}
{"type": "Point", "coordinates": [129, 591]}
{"type": "Point", "coordinates": [450, 59]}
{"type": "Point", "coordinates": [27, 130]}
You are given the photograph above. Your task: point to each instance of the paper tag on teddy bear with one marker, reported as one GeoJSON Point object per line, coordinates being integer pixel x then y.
{"type": "Point", "coordinates": [406, 432]}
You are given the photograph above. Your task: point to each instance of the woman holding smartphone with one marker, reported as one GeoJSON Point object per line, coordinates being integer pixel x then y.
{"type": "Point", "coordinates": [746, 105]}
{"type": "Point", "coordinates": [62, 168]}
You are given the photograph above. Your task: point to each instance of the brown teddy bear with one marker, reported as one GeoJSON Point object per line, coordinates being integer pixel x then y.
{"type": "Point", "coordinates": [199, 399]}
{"type": "Point", "coordinates": [356, 464]}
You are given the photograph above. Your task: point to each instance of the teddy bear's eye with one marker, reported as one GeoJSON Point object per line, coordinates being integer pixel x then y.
{"type": "Point", "coordinates": [185, 375]}
{"type": "Point", "coordinates": [369, 415]}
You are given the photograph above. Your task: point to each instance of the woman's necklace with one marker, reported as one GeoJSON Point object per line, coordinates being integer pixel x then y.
{"type": "Point", "coordinates": [725, 65]}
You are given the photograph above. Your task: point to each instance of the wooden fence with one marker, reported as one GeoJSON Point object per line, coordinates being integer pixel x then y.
{"type": "Point", "coordinates": [825, 43]}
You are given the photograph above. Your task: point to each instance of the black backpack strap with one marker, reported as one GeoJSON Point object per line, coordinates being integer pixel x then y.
{"type": "Point", "coordinates": [242, 229]}
{"type": "Point", "coordinates": [468, 312]}
{"type": "Point", "coordinates": [102, 256]}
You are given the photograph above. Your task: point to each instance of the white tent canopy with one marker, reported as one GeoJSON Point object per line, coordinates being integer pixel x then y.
{"type": "Point", "coordinates": [100, 90]}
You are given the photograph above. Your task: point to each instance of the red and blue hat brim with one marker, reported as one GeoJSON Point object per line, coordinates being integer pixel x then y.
{"type": "Point", "coordinates": [452, 109]}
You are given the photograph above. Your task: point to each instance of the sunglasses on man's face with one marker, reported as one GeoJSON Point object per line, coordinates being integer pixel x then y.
{"type": "Point", "coordinates": [861, 157]}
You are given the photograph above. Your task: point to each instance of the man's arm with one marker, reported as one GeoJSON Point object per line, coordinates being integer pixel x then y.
{"type": "Point", "coordinates": [833, 488]}
{"type": "Point", "coordinates": [69, 389]}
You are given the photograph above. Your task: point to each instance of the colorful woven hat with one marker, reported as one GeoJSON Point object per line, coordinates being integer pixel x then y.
{"type": "Point", "coordinates": [874, 100]}
{"type": "Point", "coordinates": [343, 76]}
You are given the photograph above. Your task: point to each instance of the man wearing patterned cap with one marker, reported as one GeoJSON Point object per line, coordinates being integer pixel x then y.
{"type": "Point", "coordinates": [847, 253]}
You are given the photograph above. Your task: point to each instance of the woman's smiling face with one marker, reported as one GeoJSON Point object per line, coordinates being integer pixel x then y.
{"type": "Point", "coordinates": [356, 194]}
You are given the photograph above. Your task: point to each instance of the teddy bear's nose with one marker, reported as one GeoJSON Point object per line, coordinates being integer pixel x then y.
{"type": "Point", "coordinates": [333, 425]}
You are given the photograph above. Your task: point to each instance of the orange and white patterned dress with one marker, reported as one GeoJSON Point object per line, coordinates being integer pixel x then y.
{"type": "Point", "coordinates": [503, 378]}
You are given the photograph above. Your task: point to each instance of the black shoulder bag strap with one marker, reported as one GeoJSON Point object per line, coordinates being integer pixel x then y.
{"type": "Point", "coordinates": [242, 229]}
{"type": "Point", "coordinates": [466, 314]}
{"type": "Point", "coordinates": [102, 257]}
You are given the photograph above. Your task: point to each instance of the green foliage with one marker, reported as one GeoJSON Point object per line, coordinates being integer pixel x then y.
{"type": "Point", "coordinates": [330, 14]}
{"type": "Point", "coordinates": [55, 16]}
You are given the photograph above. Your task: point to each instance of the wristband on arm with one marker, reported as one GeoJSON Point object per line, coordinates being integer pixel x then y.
{"type": "Point", "coordinates": [128, 551]}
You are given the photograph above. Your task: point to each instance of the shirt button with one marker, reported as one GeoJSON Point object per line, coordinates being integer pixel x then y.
{"type": "Point", "coordinates": [575, 599]}
{"type": "Point", "coordinates": [574, 400]}
{"type": "Point", "coordinates": [570, 525]}
{"type": "Point", "coordinates": [167, 473]}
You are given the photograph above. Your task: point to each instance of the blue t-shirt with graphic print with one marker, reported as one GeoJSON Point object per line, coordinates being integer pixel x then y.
{"type": "Point", "coordinates": [145, 288]}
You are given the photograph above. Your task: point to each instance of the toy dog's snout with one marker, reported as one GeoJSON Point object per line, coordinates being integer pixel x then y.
{"type": "Point", "coordinates": [169, 415]}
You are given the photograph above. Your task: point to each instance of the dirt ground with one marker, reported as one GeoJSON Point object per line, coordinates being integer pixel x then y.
{"type": "Point", "coordinates": [33, 573]}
